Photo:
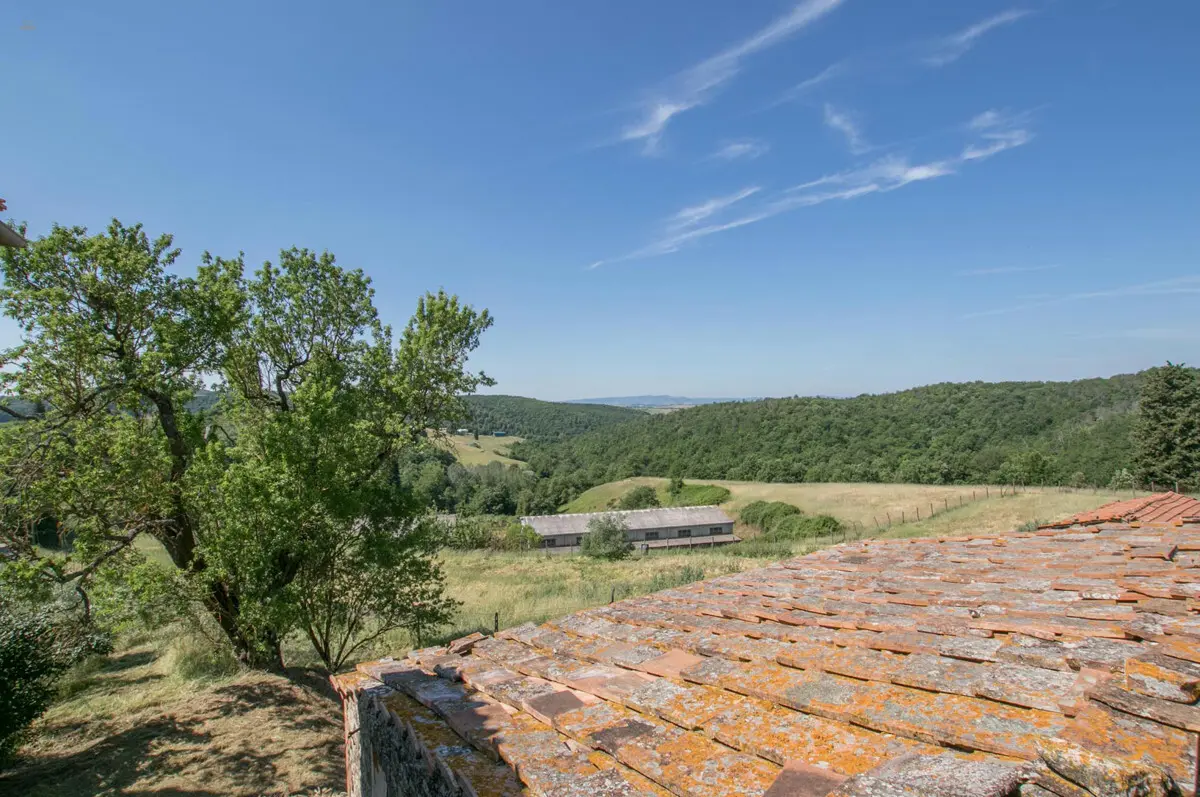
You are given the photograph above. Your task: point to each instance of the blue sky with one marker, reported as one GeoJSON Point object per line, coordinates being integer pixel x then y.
{"type": "Point", "coordinates": [685, 196]}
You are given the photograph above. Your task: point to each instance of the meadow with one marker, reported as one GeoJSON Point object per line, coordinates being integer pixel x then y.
{"type": "Point", "coordinates": [487, 448]}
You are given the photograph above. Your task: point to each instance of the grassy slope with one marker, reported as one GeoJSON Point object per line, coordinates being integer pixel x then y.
{"type": "Point", "coordinates": [863, 503]}
{"type": "Point", "coordinates": [130, 725]}
{"type": "Point", "coordinates": [487, 449]}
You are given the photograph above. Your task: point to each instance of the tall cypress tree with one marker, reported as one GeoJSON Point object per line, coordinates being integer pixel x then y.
{"type": "Point", "coordinates": [1166, 435]}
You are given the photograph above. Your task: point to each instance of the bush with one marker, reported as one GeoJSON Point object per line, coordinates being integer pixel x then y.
{"type": "Point", "coordinates": [1122, 480]}
{"type": "Point", "coordinates": [799, 527]}
{"type": "Point", "coordinates": [606, 538]}
{"type": "Point", "coordinates": [519, 537]}
{"type": "Point", "coordinates": [642, 497]}
{"type": "Point", "coordinates": [760, 548]}
{"type": "Point", "coordinates": [1079, 479]}
{"type": "Point", "coordinates": [28, 670]}
{"type": "Point", "coordinates": [764, 515]}
{"type": "Point", "coordinates": [700, 495]}
{"type": "Point", "coordinates": [470, 534]}
{"type": "Point", "coordinates": [34, 652]}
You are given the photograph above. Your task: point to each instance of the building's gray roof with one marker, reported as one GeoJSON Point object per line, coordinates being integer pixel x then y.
{"type": "Point", "coordinates": [635, 519]}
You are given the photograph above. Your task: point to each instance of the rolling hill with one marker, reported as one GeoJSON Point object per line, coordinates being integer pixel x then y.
{"type": "Point", "coordinates": [543, 420]}
{"type": "Point", "coordinates": [945, 433]}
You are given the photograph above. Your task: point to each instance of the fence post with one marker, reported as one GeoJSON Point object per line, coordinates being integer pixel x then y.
{"type": "Point", "coordinates": [931, 509]}
{"type": "Point", "coordinates": [496, 623]}
{"type": "Point", "coordinates": [987, 491]}
{"type": "Point", "coordinates": [876, 522]}
{"type": "Point", "coordinates": [889, 514]}
{"type": "Point", "coordinates": [612, 596]}
{"type": "Point", "coordinates": [918, 514]}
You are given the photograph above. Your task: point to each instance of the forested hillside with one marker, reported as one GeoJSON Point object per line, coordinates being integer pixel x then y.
{"type": "Point", "coordinates": [543, 420]}
{"type": "Point", "coordinates": [1033, 432]}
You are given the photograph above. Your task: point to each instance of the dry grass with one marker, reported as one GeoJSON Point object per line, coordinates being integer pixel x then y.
{"type": "Point", "coordinates": [470, 451]}
{"type": "Point", "coordinates": [526, 587]}
{"type": "Point", "coordinates": [865, 504]}
{"type": "Point", "coordinates": [1007, 514]}
{"type": "Point", "coordinates": [132, 726]}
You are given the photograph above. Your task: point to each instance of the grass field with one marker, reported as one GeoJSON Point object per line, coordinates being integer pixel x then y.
{"type": "Point", "coordinates": [865, 504]}
{"type": "Point", "coordinates": [132, 724]}
{"type": "Point", "coordinates": [470, 451]}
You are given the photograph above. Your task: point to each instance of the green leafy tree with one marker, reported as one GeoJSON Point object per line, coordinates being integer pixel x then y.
{"type": "Point", "coordinates": [606, 538]}
{"type": "Point", "coordinates": [264, 503]}
{"type": "Point", "coordinates": [641, 497]}
{"type": "Point", "coordinates": [1122, 479]}
{"type": "Point", "coordinates": [1166, 433]}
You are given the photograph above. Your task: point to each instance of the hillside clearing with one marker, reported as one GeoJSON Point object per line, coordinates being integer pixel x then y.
{"type": "Point", "coordinates": [487, 448]}
{"type": "Point", "coordinates": [865, 503]}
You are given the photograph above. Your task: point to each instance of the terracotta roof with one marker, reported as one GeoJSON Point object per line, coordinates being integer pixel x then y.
{"type": "Point", "coordinates": [1168, 507]}
{"type": "Point", "coordinates": [1067, 661]}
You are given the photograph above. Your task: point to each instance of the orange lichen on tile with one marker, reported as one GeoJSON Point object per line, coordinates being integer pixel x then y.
{"type": "Point", "coordinates": [982, 647]}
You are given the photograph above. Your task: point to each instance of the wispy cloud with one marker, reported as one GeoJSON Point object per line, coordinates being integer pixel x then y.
{"type": "Point", "coordinates": [1169, 287]}
{"type": "Point", "coordinates": [804, 86]}
{"type": "Point", "coordinates": [844, 123]}
{"type": "Point", "coordinates": [989, 272]}
{"type": "Point", "coordinates": [880, 176]}
{"type": "Point", "coordinates": [691, 216]}
{"type": "Point", "coordinates": [698, 84]}
{"type": "Point", "coordinates": [950, 48]}
{"type": "Point", "coordinates": [745, 149]}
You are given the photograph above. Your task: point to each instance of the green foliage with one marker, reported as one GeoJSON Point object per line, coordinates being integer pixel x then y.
{"type": "Point", "coordinates": [675, 486]}
{"type": "Point", "coordinates": [1166, 433]}
{"type": "Point", "coordinates": [1079, 479]}
{"type": "Point", "coordinates": [37, 645]}
{"type": "Point", "coordinates": [801, 527]}
{"type": "Point", "coordinates": [283, 506]}
{"type": "Point", "coordinates": [940, 434]}
{"type": "Point", "coordinates": [765, 514]}
{"type": "Point", "coordinates": [641, 497]}
{"type": "Point", "coordinates": [606, 538]}
{"type": "Point", "coordinates": [543, 420]}
{"type": "Point", "coordinates": [699, 495]}
{"type": "Point", "coordinates": [1028, 467]}
{"type": "Point", "coordinates": [1122, 479]}
{"type": "Point", "coordinates": [781, 522]}
{"type": "Point", "coordinates": [519, 537]}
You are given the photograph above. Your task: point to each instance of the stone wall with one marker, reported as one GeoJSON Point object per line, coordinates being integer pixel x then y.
{"type": "Point", "coordinates": [384, 755]}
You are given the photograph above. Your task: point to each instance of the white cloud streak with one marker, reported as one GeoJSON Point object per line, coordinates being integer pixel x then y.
{"type": "Point", "coordinates": [691, 216]}
{"type": "Point", "coordinates": [698, 84]}
{"type": "Point", "coordinates": [881, 176]}
{"type": "Point", "coordinates": [955, 46]}
{"type": "Point", "coordinates": [1169, 287]}
{"type": "Point", "coordinates": [844, 123]}
{"type": "Point", "coordinates": [746, 149]}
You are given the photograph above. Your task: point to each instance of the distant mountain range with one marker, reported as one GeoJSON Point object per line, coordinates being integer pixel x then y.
{"type": "Point", "coordinates": [654, 401]}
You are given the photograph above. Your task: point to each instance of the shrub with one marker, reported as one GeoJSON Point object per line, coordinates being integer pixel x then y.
{"type": "Point", "coordinates": [1079, 479]}
{"type": "Point", "coordinates": [606, 538]}
{"type": "Point", "coordinates": [470, 534]}
{"type": "Point", "coordinates": [34, 651]}
{"type": "Point", "coordinates": [700, 495]}
{"type": "Point", "coordinates": [765, 515]}
{"type": "Point", "coordinates": [194, 657]}
{"type": "Point", "coordinates": [28, 670]}
{"type": "Point", "coordinates": [642, 497]}
{"type": "Point", "coordinates": [1122, 480]}
{"type": "Point", "coordinates": [800, 527]}
{"type": "Point", "coordinates": [519, 537]}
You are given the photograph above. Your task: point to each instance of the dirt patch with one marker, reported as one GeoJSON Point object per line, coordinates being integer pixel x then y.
{"type": "Point", "coordinates": [134, 729]}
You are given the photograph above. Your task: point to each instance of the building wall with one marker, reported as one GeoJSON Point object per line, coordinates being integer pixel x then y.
{"type": "Point", "coordinates": [386, 759]}
{"type": "Point", "coordinates": [639, 535]}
